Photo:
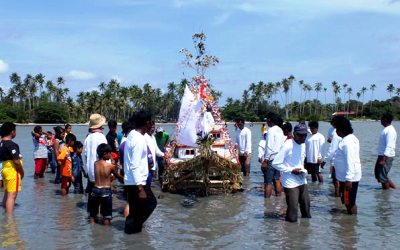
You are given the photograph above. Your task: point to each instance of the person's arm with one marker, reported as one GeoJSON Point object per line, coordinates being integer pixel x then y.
{"type": "Point", "coordinates": [279, 161]}
{"type": "Point", "coordinates": [62, 155]}
{"type": "Point", "coordinates": [135, 160]}
{"type": "Point", "coordinates": [159, 153]}
{"type": "Point", "coordinates": [17, 160]}
{"type": "Point", "coordinates": [36, 135]}
{"type": "Point", "coordinates": [248, 143]}
{"type": "Point", "coordinates": [269, 140]}
{"type": "Point", "coordinates": [321, 148]}
{"type": "Point", "coordinates": [349, 150]}
{"type": "Point", "coordinates": [261, 150]}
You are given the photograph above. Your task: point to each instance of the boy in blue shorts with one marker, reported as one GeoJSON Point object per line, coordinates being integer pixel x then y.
{"type": "Point", "coordinates": [101, 193]}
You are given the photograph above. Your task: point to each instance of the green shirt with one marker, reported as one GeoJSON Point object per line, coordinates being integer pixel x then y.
{"type": "Point", "coordinates": [162, 139]}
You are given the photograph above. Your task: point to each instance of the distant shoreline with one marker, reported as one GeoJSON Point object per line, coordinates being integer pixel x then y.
{"type": "Point", "coordinates": [166, 123]}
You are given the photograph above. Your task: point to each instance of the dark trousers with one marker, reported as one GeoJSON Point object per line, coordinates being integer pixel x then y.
{"type": "Point", "coordinates": [139, 209]}
{"type": "Point", "coordinates": [89, 188]}
{"type": "Point", "coordinates": [161, 166]}
{"type": "Point", "coordinates": [294, 197]}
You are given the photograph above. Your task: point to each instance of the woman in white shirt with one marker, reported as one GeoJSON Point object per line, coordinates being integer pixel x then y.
{"type": "Point", "coordinates": [347, 164]}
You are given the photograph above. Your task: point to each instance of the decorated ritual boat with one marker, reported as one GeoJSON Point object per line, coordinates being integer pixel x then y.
{"type": "Point", "coordinates": [202, 157]}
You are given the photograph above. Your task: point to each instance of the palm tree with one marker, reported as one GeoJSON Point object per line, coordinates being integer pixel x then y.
{"type": "Point", "coordinates": [372, 88]}
{"type": "Point", "coordinates": [301, 84]}
{"type": "Point", "coordinates": [349, 92]}
{"type": "Point", "coordinates": [317, 89]}
{"type": "Point", "coordinates": [286, 84]}
{"type": "Point", "coordinates": [363, 90]}
{"type": "Point", "coordinates": [60, 81]}
{"type": "Point", "coordinates": [398, 91]}
{"type": "Point", "coordinates": [1, 94]}
{"type": "Point", "coordinates": [336, 91]}
{"type": "Point", "coordinates": [358, 100]}
{"type": "Point", "coordinates": [390, 89]}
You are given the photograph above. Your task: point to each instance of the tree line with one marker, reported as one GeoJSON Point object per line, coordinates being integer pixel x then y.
{"type": "Point", "coordinates": [36, 99]}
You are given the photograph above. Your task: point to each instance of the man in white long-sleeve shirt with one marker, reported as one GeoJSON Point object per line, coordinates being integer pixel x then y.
{"type": "Point", "coordinates": [386, 151]}
{"type": "Point", "coordinates": [347, 164]}
{"type": "Point", "coordinates": [290, 161]}
{"type": "Point", "coordinates": [314, 146]}
{"type": "Point", "coordinates": [155, 151]}
{"type": "Point", "coordinates": [274, 142]}
{"type": "Point", "coordinates": [328, 158]}
{"type": "Point", "coordinates": [141, 199]}
{"type": "Point", "coordinates": [243, 140]}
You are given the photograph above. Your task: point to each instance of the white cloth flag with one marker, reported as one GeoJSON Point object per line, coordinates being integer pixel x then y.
{"type": "Point", "coordinates": [188, 118]}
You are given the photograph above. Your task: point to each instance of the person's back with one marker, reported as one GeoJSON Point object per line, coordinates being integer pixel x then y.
{"type": "Point", "coordinates": [101, 193]}
{"type": "Point", "coordinates": [102, 173]}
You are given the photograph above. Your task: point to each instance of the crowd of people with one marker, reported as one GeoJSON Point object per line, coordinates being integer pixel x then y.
{"type": "Point", "coordinates": [132, 156]}
{"type": "Point", "coordinates": [136, 157]}
{"type": "Point", "coordinates": [287, 159]}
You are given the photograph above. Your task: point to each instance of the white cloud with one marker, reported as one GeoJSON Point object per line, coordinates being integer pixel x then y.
{"type": "Point", "coordinates": [303, 8]}
{"type": "Point", "coordinates": [218, 20]}
{"type": "Point", "coordinates": [3, 66]}
{"type": "Point", "coordinates": [117, 78]}
{"type": "Point", "coordinates": [81, 75]}
{"type": "Point", "coordinates": [317, 7]}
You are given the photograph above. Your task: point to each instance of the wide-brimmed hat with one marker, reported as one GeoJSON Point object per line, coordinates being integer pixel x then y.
{"type": "Point", "coordinates": [96, 121]}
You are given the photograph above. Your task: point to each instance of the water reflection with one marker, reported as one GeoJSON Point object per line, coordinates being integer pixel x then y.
{"type": "Point", "coordinates": [9, 235]}
{"type": "Point", "coordinates": [243, 220]}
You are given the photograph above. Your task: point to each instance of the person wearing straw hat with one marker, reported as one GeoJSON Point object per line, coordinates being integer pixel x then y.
{"type": "Point", "coordinates": [92, 141]}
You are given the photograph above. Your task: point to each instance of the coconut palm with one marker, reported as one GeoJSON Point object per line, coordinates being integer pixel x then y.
{"type": "Point", "coordinates": [317, 89]}
{"type": "Point", "coordinates": [363, 90]}
{"type": "Point", "coordinates": [358, 94]}
{"type": "Point", "coordinates": [286, 84]}
{"type": "Point", "coordinates": [372, 88]}
{"type": "Point", "coordinates": [336, 91]}
{"type": "Point", "coordinates": [349, 92]}
{"type": "Point", "coordinates": [390, 89]}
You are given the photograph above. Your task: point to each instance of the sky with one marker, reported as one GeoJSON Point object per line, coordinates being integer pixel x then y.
{"type": "Point", "coordinates": [354, 42]}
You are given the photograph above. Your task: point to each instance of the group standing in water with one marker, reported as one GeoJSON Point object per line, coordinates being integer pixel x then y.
{"type": "Point", "coordinates": [132, 157]}
{"type": "Point", "coordinates": [286, 155]}
{"type": "Point", "coordinates": [287, 159]}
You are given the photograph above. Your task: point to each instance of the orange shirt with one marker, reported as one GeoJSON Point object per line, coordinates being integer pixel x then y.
{"type": "Point", "coordinates": [66, 162]}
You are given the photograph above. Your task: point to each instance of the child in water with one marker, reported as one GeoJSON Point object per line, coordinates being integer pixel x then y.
{"type": "Point", "coordinates": [65, 161]}
{"type": "Point", "coordinates": [77, 167]}
{"type": "Point", "coordinates": [101, 192]}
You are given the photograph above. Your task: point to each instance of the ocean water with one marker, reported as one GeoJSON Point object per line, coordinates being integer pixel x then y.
{"type": "Point", "coordinates": [43, 219]}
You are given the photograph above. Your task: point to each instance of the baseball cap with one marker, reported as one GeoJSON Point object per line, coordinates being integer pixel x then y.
{"type": "Point", "coordinates": [300, 128]}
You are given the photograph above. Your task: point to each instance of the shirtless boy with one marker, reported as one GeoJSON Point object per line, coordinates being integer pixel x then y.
{"type": "Point", "coordinates": [101, 192]}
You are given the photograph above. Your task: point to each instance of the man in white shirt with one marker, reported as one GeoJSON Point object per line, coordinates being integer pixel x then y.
{"type": "Point", "coordinates": [328, 158]}
{"type": "Point", "coordinates": [141, 199]}
{"type": "Point", "coordinates": [155, 151]}
{"type": "Point", "coordinates": [314, 146]}
{"type": "Point", "coordinates": [347, 164]}
{"type": "Point", "coordinates": [386, 151]}
{"type": "Point", "coordinates": [92, 141]}
{"type": "Point", "coordinates": [243, 140]}
{"type": "Point", "coordinates": [290, 161]}
{"type": "Point", "coordinates": [274, 142]}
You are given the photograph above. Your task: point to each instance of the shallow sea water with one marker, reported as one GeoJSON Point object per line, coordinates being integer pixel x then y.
{"type": "Point", "coordinates": [43, 219]}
